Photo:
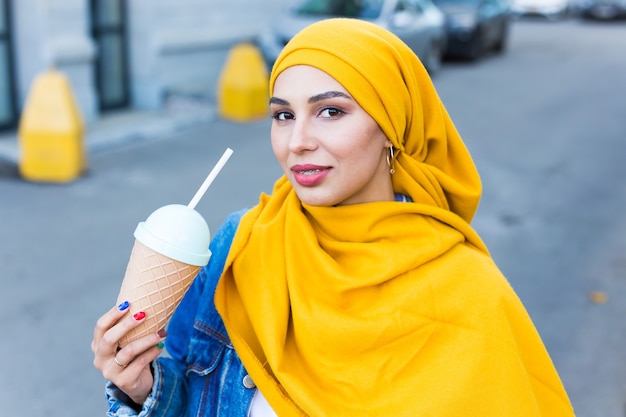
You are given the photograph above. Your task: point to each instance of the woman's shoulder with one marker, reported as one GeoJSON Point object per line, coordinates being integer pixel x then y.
{"type": "Point", "coordinates": [220, 247]}
{"type": "Point", "coordinates": [235, 216]}
{"type": "Point", "coordinates": [224, 235]}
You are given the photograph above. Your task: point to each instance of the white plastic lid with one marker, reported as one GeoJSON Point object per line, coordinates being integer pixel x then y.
{"type": "Point", "coordinates": [178, 232]}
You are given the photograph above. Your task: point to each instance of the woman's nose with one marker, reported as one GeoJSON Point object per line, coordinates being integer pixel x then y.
{"type": "Point", "coordinates": [302, 137]}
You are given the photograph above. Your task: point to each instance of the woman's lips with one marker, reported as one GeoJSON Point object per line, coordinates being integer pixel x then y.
{"type": "Point", "coordinates": [309, 175]}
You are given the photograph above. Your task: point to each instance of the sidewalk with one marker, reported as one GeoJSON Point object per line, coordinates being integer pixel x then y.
{"type": "Point", "coordinates": [123, 127]}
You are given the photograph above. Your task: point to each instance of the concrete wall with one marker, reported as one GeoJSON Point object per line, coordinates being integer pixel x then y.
{"type": "Point", "coordinates": [55, 33]}
{"type": "Point", "coordinates": [175, 46]}
{"type": "Point", "coordinates": [179, 47]}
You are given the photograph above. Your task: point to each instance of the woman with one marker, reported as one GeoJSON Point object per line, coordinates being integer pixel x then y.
{"type": "Point", "coordinates": [358, 287]}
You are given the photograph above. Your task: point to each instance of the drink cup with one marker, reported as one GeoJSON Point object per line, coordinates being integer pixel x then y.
{"type": "Point", "coordinates": [170, 248]}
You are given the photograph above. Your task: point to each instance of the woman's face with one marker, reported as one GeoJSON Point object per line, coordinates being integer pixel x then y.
{"type": "Point", "coordinates": [330, 149]}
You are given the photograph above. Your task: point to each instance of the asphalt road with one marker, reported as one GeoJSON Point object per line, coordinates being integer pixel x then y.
{"type": "Point", "coordinates": [545, 123]}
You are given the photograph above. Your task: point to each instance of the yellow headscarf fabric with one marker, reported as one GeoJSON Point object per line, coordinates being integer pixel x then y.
{"type": "Point", "coordinates": [384, 308]}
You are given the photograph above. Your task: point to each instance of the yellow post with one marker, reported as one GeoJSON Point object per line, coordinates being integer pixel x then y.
{"type": "Point", "coordinates": [51, 131]}
{"type": "Point", "coordinates": [243, 85]}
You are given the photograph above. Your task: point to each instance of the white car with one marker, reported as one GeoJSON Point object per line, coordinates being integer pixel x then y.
{"type": "Point", "coordinates": [419, 23]}
{"type": "Point", "coordinates": [549, 9]}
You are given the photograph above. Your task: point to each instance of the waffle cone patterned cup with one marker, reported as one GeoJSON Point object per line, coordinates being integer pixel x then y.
{"type": "Point", "coordinates": [155, 284]}
{"type": "Point", "coordinates": [170, 248]}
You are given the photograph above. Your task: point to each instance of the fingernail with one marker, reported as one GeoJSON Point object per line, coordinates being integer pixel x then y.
{"type": "Point", "coordinates": [123, 306]}
{"type": "Point", "coordinates": [160, 345]}
{"type": "Point", "coordinates": [139, 316]}
{"type": "Point", "coordinates": [162, 333]}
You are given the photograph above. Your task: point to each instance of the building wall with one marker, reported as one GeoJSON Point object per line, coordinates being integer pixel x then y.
{"type": "Point", "coordinates": [175, 46]}
{"type": "Point", "coordinates": [179, 47]}
{"type": "Point", "coordinates": [54, 33]}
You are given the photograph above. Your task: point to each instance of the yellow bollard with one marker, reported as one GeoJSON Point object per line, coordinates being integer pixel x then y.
{"type": "Point", "coordinates": [51, 131]}
{"type": "Point", "coordinates": [243, 85]}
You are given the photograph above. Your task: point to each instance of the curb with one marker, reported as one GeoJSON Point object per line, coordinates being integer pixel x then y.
{"type": "Point", "coordinates": [124, 128]}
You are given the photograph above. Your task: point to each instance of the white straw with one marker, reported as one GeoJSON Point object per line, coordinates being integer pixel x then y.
{"type": "Point", "coordinates": [209, 179]}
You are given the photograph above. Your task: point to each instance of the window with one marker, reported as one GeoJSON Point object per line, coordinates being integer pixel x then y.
{"type": "Point", "coordinates": [8, 112]}
{"type": "Point", "coordinates": [108, 29]}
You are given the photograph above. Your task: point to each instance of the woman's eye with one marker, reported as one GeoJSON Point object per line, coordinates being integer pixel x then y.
{"type": "Point", "coordinates": [283, 115]}
{"type": "Point", "coordinates": [331, 112]}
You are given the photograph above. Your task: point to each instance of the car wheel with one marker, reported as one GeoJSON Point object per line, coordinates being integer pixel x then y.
{"type": "Point", "coordinates": [500, 45]}
{"type": "Point", "coordinates": [434, 57]}
{"type": "Point", "coordinates": [476, 47]}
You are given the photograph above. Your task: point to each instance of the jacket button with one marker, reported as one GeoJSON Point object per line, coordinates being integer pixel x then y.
{"type": "Point", "coordinates": [248, 382]}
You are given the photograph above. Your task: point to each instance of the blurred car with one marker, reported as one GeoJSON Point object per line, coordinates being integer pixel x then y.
{"type": "Point", "coordinates": [549, 9]}
{"type": "Point", "coordinates": [602, 9]}
{"type": "Point", "coordinates": [419, 23]}
{"type": "Point", "coordinates": [476, 26]}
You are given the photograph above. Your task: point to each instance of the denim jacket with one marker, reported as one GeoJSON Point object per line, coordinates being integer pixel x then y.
{"type": "Point", "coordinates": [203, 375]}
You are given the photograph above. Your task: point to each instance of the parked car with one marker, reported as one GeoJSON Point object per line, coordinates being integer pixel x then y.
{"type": "Point", "coordinates": [602, 9]}
{"type": "Point", "coordinates": [549, 9]}
{"type": "Point", "coordinates": [476, 26]}
{"type": "Point", "coordinates": [419, 23]}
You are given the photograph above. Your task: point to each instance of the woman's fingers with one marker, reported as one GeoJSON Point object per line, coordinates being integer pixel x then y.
{"type": "Point", "coordinates": [121, 329]}
{"type": "Point", "coordinates": [106, 322]}
{"type": "Point", "coordinates": [128, 368]}
{"type": "Point", "coordinates": [110, 328]}
{"type": "Point", "coordinates": [129, 363]}
{"type": "Point", "coordinates": [139, 362]}
{"type": "Point", "coordinates": [136, 378]}
{"type": "Point", "coordinates": [139, 353]}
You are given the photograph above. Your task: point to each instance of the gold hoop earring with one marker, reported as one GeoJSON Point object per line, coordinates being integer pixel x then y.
{"type": "Point", "coordinates": [391, 161]}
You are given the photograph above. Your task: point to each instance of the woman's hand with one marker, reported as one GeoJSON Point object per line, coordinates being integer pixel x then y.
{"type": "Point", "coordinates": [128, 368]}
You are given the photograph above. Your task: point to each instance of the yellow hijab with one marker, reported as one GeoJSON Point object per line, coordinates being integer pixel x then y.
{"type": "Point", "coordinates": [383, 308]}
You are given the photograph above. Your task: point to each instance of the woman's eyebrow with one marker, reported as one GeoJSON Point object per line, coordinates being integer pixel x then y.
{"type": "Point", "coordinates": [328, 94]}
{"type": "Point", "coordinates": [276, 100]}
{"type": "Point", "coordinates": [313, 99]}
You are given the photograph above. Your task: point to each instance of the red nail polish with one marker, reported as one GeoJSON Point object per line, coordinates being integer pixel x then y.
{"type": "Point", "coordinates": [139, 316]}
